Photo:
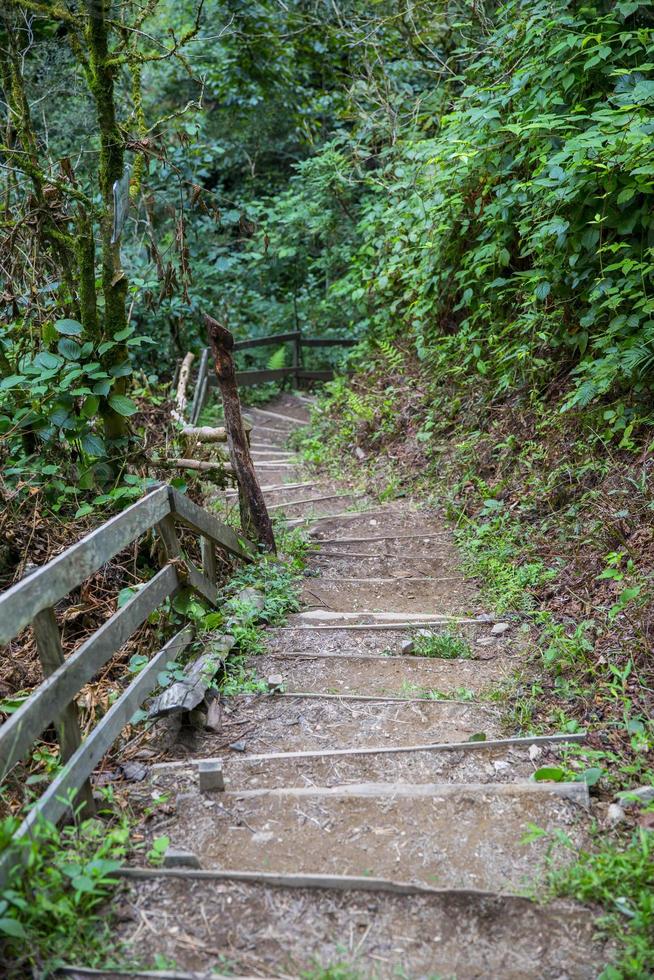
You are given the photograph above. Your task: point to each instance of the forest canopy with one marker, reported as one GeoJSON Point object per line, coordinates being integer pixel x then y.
{"type": "Point", "coordinates": [471, 181]}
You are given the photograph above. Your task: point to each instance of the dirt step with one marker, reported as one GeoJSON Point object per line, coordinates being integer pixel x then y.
{"type": "Point", "coordinates": [274, 723]}
{"type": "Point", "coordinates": [445, 835]}
{"type": "Point", "coordinates": [332, 562]}
{"type": "Point", "coordinates": [202, 924]}
{"type": "Point", "coordinates": [337, 595]}
{"type": "Point", "coordinates": [479, 765]}
{"type": "Point", "coordinates": [317, 504]}
{"type": "Point", "coordinates": [388, 641]}
{"type": "Point", "coordinates": [384, 677]}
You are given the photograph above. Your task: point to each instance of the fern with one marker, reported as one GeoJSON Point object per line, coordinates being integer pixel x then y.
{"type": "Point", "coordinates": [358, 407]}
{"type": "Point", "coordinates": [277, 360]}
{"type": "Point", "coordinates": [393, 357]}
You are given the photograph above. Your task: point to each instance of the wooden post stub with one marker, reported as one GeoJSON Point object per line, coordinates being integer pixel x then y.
{"type": "Point", "coordinates": [51, 656]}
{"type": "Point", "coordinates": [255, 520]}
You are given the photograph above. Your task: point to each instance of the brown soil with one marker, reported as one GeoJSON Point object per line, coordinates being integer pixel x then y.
{"type": "Point", "coordinates": [279, 932]}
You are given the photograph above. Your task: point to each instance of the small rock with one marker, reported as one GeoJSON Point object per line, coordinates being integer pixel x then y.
{"type": "Point", "coordinates": [500, 765]}
{"type": "Point", "coordinates": [359, 453]}
{"type": "Point", "coordinates": [408, 647]}
{"type": "Point", "coordinates": [261, 837]}
{"type": "Point", "coordinates": [275, 682]}
{"type": "Point", "coordinates": [535, 752]}
{"type": "Point", "coordinates": [500, 628]}
{"type": "Point", "coordinates": [642, 794]}
{"type": "Point", "coordinates": [239, 746]}
{"type": "Point", "coordinates": [373, 522]}
{"type": "Point", "coordinates": [177, 858]}
{"type": "Point", "coordinates": [251, 597]}
{"type": "Point", "coordinates": [134, 771]}
{"type": "Point", "coordinates": [615, 814]}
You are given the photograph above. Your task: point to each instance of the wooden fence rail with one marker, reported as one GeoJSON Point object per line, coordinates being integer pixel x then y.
{"type": "Point", "coordinates": [32, 601]}
{"type": "Point", "coordinates": [205, 377]}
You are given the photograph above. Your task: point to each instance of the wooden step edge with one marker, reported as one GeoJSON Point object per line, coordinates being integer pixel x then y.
{"type": "Point", "coordinates": [575, 792]}
{"type": "Point", "coordinates": [389, 624]}
{"type": "Point", "coordinates": [387, 658]}
{"type": "Point", "coordinates": [322, 881]}
{"type": "Point", "coordinates": [489, 743]}
{"type": "Point", "coordinates": [378, 537]}
{"type": "Point", "coordinates": [85, 971]}
{"type": "Point", "coordinates": [393, 698]}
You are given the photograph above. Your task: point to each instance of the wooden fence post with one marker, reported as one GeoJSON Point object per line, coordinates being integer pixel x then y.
{"type": "Point", "coordinates": [255, 520]}
{"type": "Point", "coordinates": [51, 655]}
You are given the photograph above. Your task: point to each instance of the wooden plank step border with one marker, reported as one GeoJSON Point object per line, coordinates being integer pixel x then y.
{"type": "Point", "coordinates": [313, 500]}
{"type": "Point", "coordinates": [380, 657]}
{"type": "Point", "coordinates": [388, 580]}
{"type": "Point", "coordinates": [390, 624]}
{"type": "Point", "coordinates": [519, 741]}
{"type": "Point", "coordinates": [490, 743]}
{"type": "Point", "coordinates": [326, 881]}
{"type": "Point", "coordinates": [379, 537]}
{"type": "Point", "coordinates": [345, 515]}
{"type": "Point", "coordinates": [576, 792]}
{"type": "Point", "coordinates": [278, 415]}
{"type": "Point", "coordinates": [81, 972]}
{"type": "Point", "coordinates": [355, 697]}
{"type": "Point", "coordinates": [274, 486]}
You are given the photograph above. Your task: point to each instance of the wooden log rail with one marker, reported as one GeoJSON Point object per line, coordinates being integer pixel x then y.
{"type": "Point", "coordinates": [33, 600]}
{"type": "Point", "coordinates": [205, 377]}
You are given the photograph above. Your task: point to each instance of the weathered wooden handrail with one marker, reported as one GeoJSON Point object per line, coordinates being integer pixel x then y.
{"type": "Point", "coordinates": [205, 377]}
{"type": "Point", "coordinates": [32, 600]}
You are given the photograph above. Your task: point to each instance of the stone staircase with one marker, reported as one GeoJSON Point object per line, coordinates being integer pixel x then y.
{"type": "Point", "coordinates": [361, 831]}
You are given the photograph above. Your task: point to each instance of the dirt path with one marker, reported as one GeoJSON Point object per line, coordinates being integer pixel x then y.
{"type": "Point", "coordinates": [359, 824]}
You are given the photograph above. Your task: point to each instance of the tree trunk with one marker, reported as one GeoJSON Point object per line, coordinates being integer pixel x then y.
{"type": "Point", "coordinates": [255, 520]}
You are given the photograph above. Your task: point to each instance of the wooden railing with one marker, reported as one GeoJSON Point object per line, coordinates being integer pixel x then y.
{"type": "Point", "coordinates": [32, 601]}
{"type": "Point", "coordinates": [205, 377]}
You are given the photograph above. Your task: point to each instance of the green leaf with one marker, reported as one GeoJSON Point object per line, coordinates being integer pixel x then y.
{"type": "Point", "coordinates": [123, 405]}
{"type": "Point", "coordinates": [71, 328]}
{"type": "Point", "coordinates": [69, 349]}
{"type": "Point", "coordinates": [84, 510]}
{"type": "Point", "coordinates": [48, 361]}
{"type": "Point", "coordinates": [13, 928]}
{"type": "Point", "coordinates": [478, 737]}
{"type": "Point", "coordinates": [90, 406]}
{"type": "Point", "coordinates": [552, 774]}
{"type": "Point", "coordinates": [93, 445]}
{"type": "Point", "coordinates": [590, 776]}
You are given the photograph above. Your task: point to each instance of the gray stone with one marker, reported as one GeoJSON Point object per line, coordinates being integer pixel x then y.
{"type": "Point", "coordinates": [211, 776]}
{"type": "Point", "coordinates": [252, 597]}
{"type": "Point", "coordinates": [408, 647]}
{"type": "Point", "coordinates": [275, 682]}
{"type": "Point", "coordinates": [642, 794]}
{"type": "Point", "coordinates": [500, 628]}
{"type": "Point", "coordinates": [177, 858]}
{"type": "Point", "coordinates": [615, 814]}
{"type": "Point", "coordinates": [239, 746]}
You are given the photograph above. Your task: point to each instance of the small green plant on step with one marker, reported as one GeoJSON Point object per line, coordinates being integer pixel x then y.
{"type": "Point", "coordinates": [445, 645]}
{"type": "Point", "coordinates": [616, 871]}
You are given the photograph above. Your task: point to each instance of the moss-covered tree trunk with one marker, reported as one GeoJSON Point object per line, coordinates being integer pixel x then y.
{"type": "Point", "coordinates": [101, 74]}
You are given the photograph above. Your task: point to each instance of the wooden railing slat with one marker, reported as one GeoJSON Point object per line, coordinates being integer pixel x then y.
{"type": "Point", "coordinates": [53, 804]}
{"type": "Point", "coordinates": [43, 705]}
{"type": "Point", "coordinates": [200, 520]}
{"type": "Point", "coordinates": [328, 342]}
{"type": "Point", "coordinates": [49, 584]}
{"type": "Point", "coordinates": [277, 338]}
